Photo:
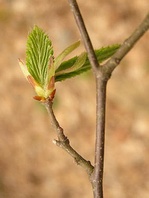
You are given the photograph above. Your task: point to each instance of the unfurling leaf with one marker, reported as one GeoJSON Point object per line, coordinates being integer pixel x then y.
{"type": "Point", "coordinates": [39, 69]}
{"type": "Point", "coordinates": [38, 53]}
{"type": "Point", "coordinates": [42, 70]}
{"type": "Point", "coordinates": [77, 65]}
{"type": "Point", "coordinates": [102, 54]}
{"type": "Point", "coordinates": [61, 56]}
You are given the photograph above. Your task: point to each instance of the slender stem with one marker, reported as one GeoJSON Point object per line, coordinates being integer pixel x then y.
{"type": "Point", "coordinates": [63, 141]}
{"type": "Point", "coordinates": [127, 45]}
{"type": "Point", "coordinates": [85, 37]}
{"type": "Point", "coordinates": [97, 176]}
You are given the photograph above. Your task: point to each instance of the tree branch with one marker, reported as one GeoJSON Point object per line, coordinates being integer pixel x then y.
{"type": "Point", "coordinates": [63, 141]}
{"type": "Point", "coordinates": [127, 45]}
{"type": "Point", "coordinates": [102, 74]}
{"type": "Point", "coordinates": [101, 81]}
{"type": "Point", "coordinates": [97, 176]}
{"type": "Point", "coordinates": [85, 37]}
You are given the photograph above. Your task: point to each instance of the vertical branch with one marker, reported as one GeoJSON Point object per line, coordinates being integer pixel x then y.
{"type": "Point", "coordinates": [102, 74]}
{"type": "Point", "coordinates": [101, 81]}
{"type": "Point", "coordinates": [97, 176]}
{"type": "Point", "coordinates": [85, 37]}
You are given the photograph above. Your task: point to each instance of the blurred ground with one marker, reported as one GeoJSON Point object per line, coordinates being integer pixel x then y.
{"type": "Point", "coordinates": [30, 165]}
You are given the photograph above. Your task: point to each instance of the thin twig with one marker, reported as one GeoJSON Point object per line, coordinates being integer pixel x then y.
{"type": "Point", "coordinates": [85, 37]}
{"type": "Point", "coordinates": [63, 141]}
{"type": "Point", "coordinates": [97, 176]}
{"type": "Point", "coordinates": [128, 44]}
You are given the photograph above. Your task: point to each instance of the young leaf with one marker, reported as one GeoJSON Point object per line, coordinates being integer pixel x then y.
{"type": "Point", "coordinates": [65, 52]}
{"type": "Point", "coordinates": [43, 71]}
{"type": "Point", "coordinates": [102, 54]}
{"type": "Point", "coordinates": [38, 53]}
{"type": "Point", "coordinates": [80, 61]}
{"type": "Point", "coordinates": [39, 69]}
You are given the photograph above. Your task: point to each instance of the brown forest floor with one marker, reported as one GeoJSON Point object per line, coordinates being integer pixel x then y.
{"type": "Point", "coordinates": [31, 166]}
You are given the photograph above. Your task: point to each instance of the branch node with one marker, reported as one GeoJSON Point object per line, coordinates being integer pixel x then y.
{"type": "Point", "coordinates": [76, 160]}
{"type": "Point", "coordinates": [54, 142]}
{"type": "Point", "coordinates": [117, 60]}
{"type": "Point", "coordinates": [61, 143]}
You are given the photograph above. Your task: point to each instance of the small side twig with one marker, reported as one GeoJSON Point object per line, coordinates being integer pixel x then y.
{"type": "Point", "coordinates": [63, 141]}
{"type": "Point", "coordinates": [127, 45]}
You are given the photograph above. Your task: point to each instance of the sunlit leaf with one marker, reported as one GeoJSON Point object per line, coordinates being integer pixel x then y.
{"type": "Point", "coordinates": [80, 61]}
{"type": "Point", "coordinates": [38, 53]}
{"type": "Point", "coordinates": [65, 52]}
{"type": "Point", "coordinates": [102, 54]}
{"type": "Point", "coordinates": [42, 69]}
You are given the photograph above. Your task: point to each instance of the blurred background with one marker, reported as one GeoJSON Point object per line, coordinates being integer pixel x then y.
{"type": "Point", "coordinates": [31, 166]}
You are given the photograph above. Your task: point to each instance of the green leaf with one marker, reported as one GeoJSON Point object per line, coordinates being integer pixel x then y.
{"type": "Point", "coordinates": [38, 53]}
{"type": "Point", "coordinates": [102, 54]}
{"type": "Point", "coordinates": [80, 61]}
{"type": "Point", "coordinates": [65, 52]}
